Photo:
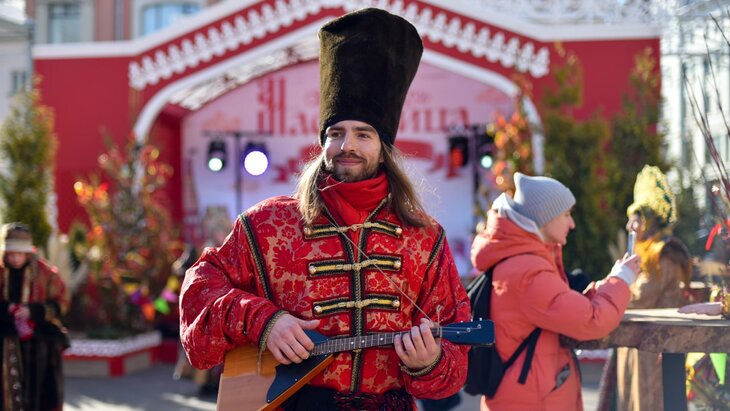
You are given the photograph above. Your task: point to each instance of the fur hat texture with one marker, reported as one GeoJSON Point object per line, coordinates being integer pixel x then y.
{"type": "Point", "coordinates": [367, 60]}
{"type": "Point", "coordinates": [653, 198]}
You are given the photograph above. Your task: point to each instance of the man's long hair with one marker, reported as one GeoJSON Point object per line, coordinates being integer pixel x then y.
{"type": "Point", "coordinates": [403, 198]}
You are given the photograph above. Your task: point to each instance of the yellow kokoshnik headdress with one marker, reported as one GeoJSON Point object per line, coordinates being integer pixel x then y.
{"type": "Point", "coordinates": [653, 199]}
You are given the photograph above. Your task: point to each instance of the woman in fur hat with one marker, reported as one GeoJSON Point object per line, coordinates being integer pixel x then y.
{"type": "Point", "coordinates": [665, 274]}
{"type": "Point", "coordinates": [32, 298]}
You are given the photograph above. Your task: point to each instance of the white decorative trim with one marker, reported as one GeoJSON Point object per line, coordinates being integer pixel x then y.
{"type": "Point", "coordinates": [453, 33]}
{"type": "Point", "coordinates": [233, 32]}
{"type": "Point", "coordinates": [243, 28]}
{"type": "Point", "coordinates": [566, 20]}
{"type": "Point", "coordinates": [113, 348]}
{"type": "Point", "coordinates": [192, 98]}
{"type": "Point", "coordinates": [152, 108]}
{"type": "Point", "coordinates": [610, 12]}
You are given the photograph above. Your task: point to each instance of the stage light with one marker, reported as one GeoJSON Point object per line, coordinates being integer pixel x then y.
{"type": "Point", "coordinates": [216, 155]}
{"type": "Point", "coordinates": [485, 148]}
{"type": "Point", "coordinates": [255, 159]}
{"type": "Point", "coordinates": [458, 151]}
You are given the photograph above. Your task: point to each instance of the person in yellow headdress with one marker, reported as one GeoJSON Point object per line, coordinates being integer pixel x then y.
{"type": "Point", "coordinates": [665, 274]}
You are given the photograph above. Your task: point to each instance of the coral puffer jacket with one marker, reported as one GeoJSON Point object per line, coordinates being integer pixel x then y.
{"type": "Point", "coordinates": [530, 290]}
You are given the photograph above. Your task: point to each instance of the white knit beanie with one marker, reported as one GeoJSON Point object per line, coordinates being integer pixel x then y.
{"type": "Point", "coordinates": [541, 198]}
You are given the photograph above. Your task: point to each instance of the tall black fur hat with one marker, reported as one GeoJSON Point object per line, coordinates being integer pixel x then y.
{"type": "Point", "coordinates": [367, 61]}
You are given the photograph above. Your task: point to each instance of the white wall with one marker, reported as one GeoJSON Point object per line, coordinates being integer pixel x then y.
{"type": "Point", "coordinates": [13, 57]}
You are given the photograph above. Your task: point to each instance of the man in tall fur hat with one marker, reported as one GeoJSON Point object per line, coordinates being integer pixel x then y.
{"type": "Point", "coordinates": [351, 254]}
{"type": "Point", "coordinates": [32, 298]}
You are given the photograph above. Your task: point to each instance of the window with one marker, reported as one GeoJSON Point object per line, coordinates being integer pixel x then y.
{"type": "Point", "coordinates": [18, 81]}
{"type": "Point", "coordinates": [64, 22]}
{"type": "Point", "coordinates": [159, 16]}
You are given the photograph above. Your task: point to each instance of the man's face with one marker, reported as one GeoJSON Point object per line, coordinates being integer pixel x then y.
{"type": "Point", "coordinates": [353, 151]}
{"type": "Point", "coordinates": [15, 259]}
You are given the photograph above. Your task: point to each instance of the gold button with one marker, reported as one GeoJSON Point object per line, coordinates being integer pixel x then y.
{"type": "Point", "coordinates": [396, 303]}
{"type": "Point", "coordinates": [312, 269]}
{"type": "Point", "coordinates": [397, 264]}
{"type": "Point", "coordinates": [317, 309]}
{"type": "Point", "coordinates": [398, 231]}
{"type": "Point", "coordinates": [307, 231]}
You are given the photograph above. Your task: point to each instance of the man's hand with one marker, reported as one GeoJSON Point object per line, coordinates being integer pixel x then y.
{"type": "Point", "coordinates": [417, 349]}
{"type": "Point", "coordinates": [287, 340]}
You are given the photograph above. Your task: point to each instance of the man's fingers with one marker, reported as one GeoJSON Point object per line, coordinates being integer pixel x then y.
{"type": "Point", "coordinates": [280, 356]}
{"type": "Point", "coordinates": [288, 342]}
{"type": "Point", "coordinates": [299, 350]}
{"type": "Point", "coordinates": [408, 346]}
{"type": "Point", "coordinates": [309, 325]}
{"type": "Point", "coordinates": [426, 335]}
{"type": "Point", "coordinates": [303, 339]}
{"type": "Point", "coordinates": [417, 339]}
{"type": "Point", "coordinates": [290, 354]}
{"type": "Point", "coordinates": [398, 345]}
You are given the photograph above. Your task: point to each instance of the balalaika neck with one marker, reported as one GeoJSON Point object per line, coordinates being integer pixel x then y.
{"type": "Point", "coordinates": [364, 341]}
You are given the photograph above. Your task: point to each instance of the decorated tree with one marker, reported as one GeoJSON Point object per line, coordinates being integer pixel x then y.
{"type": "Point", "coordinates": [599, 159]}
{"type": "Point", "coordinates": [130, 246]}
{"type": "Point", "coordinates": [28, 149]}
{"type": "Point", "coordinates": [636, 139]}
{"type": "Point", "coordinates": [512, 140]}
{"type": "Point", "coordinates": [575, 155]}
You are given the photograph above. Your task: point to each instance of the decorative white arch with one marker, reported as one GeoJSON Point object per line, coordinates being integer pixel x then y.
{"type": "Point", "coordinates": [242, 28]}
{"type": "Point", "coordinates": [180, 58]}
{"type": "Point", "coordinates": [153, 107]}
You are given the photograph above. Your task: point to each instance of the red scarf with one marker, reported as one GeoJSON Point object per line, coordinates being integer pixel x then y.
{"type": "Point", "coordinates": [351, 203]}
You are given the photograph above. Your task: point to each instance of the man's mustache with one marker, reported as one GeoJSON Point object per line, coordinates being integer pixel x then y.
{"type": "Point", "coordinates": [348, 156]}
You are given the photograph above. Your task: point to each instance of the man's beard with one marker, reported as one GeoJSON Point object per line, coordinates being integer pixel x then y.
{"type": "Point", "coordinates": [347, 174]}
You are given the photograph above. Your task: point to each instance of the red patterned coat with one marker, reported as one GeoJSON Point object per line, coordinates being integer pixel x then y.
{"type": "Point", "coordinates": [272, 262]}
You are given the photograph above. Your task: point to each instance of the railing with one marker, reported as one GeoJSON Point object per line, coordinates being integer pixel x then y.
{"type": "Point", "coordinates": [582, 11]}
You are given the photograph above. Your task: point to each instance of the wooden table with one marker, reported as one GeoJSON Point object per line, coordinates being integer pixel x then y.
{"type": "Point", "coordinates": [673, 334]}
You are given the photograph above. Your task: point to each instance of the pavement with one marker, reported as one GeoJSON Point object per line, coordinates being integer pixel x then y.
{"type": "Point", "coordinates": [154, 389]}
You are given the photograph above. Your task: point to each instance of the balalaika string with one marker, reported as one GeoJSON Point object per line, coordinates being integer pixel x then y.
{"type": "Point", "coordinates": [363, 255]}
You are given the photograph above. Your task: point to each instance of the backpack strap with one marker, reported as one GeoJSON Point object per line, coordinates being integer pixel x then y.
{"type": "Point", "coordinates": [530, 342]}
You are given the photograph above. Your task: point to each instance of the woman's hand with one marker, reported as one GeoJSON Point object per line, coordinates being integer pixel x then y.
{"type": "Point", "coordinates": [633, 262]}
{"type": "Point", "coordinates": [702, 308]}
{"type": "Point", "coordinates": [627, 268]}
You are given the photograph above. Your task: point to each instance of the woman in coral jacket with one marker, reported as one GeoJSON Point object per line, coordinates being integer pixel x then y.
{"type": "Point", "coordinates": [523, 241]}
